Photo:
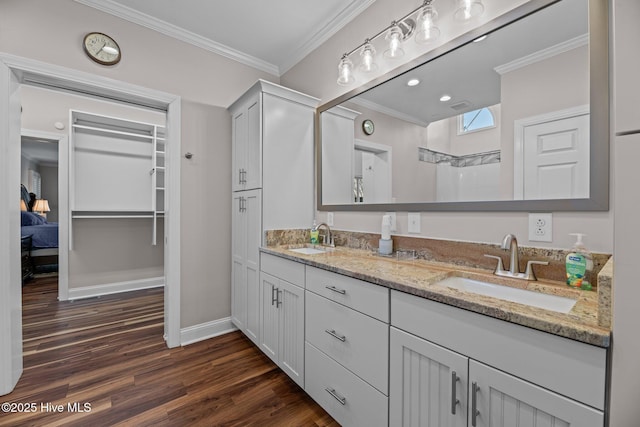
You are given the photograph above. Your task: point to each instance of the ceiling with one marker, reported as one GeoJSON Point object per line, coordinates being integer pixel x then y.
{"type": "Point", "coordinates": [40, 150]}
{"type": "Point", "coordinates": [269, 35]}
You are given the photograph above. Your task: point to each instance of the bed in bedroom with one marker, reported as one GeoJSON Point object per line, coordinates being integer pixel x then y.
{"type": "Point", "coordinates": [44, 238]}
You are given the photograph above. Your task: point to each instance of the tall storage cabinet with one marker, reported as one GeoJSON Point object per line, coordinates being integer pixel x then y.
{"type": "Point", "coordinates": [272, 184]}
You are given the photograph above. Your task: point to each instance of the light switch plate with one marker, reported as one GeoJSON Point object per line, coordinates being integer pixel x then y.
{"type": "Point", "coordinates": [540, 227]}
{"type": "Point", "coordinates": [394, 226]}
{"type": "Point", "coordinates": [414, 222]}
{"type": "Point", "coordinates": [330, 219]}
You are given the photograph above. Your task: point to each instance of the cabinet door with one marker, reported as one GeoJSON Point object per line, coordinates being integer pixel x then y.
{"type": "Point", "coordinates": [238, 250]}
{"type": "Point", "coordinates": [253, 151]}
{"type": "Point", "coordinates": [499, 399]}
{"type": "Point", "coordinates": [428, 383]}
{"type": "Point", "coordinates": [290, 302]}
{"type": "Point", "coordinates": [269, 331]}
{"type": "Point", "coordinates": [247, 146]}
{"type": "Point", "coordinates": [238, 154]}
{"type": "Point", "coordinates": [252, 241]}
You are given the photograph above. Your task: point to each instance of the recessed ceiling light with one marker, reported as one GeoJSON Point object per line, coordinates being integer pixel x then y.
{"type": "Point", "coordinates": [479, 39]}
{"type": "Point", "coordinates": [445, 98]}
{"type": "Point", "coordinates": [413, 82]}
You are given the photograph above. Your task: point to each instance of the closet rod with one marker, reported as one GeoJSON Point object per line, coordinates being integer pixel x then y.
{"type": "Point", "coordinates": [117, 132]}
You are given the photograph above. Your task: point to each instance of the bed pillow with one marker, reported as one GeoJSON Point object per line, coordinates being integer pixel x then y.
{"type": "Point", "coordinates": [30, 218]}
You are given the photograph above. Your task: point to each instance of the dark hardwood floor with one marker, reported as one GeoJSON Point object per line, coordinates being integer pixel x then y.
{"type": "Point", "coordinates": [109, 353]}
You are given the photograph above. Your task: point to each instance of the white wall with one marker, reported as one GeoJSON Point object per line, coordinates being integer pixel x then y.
{"type": "Point", "coordinates": [316, 75]}
{"type": "Point", "coordinates": [205, 187]}
{"type": "Point", "coordinates": [195, 74]}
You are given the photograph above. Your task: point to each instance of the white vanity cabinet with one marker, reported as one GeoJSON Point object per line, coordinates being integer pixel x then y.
{"type": "Point", "coordinates": [347, 347]}
{"type": "Point", "coordinates": [282, 314]}
{"type": "Point", "coordinates": [535, 378]}
{"type": "Point", "coordinates": [272, 141]}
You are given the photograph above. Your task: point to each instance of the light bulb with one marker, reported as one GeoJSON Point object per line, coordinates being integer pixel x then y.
{"type": "Point", "coordinates": [367, 54]}
{"type": "Point", "coordinates": [345, 71]}
{"type": "Point", "coordinates": [427, 30]}
{"type": "Point", "coordinates": [394, 37]}
{"type": "Point", "coordinates": [468, 9]}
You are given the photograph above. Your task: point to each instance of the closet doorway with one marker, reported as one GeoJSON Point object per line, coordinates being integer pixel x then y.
{"type": "Point", "coordinates": [16, 72]}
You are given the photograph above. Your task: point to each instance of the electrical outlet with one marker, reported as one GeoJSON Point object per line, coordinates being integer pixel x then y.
{"type": "Point", "coordinates": [414, 222]}
{"type": "Point", "coordinates": [540, 227]}
{"type": "Point", "coordinates": [394, 226]}
{"type": "Point", "coordinates": [330, 219]}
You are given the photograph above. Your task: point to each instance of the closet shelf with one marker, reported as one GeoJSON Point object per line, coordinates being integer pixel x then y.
{"type": "Point", "coordinates": [114, 132]}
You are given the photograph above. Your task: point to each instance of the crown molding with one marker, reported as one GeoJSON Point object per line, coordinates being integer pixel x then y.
{"type": "Point", "coordinates": [136, 17]}
{"type": "Point", "coordinates": [543, 54]}
{"type": "Point", "coordinates": [330, 28]}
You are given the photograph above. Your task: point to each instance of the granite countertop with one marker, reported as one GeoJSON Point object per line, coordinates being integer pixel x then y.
{"type": "Point", "coordinates": [417, 277]}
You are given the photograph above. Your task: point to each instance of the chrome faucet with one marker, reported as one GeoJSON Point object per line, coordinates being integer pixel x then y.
{"type": "Point", "coordinates": [511, 243]}
{"type": "Point", "coordinates": [327, 239]}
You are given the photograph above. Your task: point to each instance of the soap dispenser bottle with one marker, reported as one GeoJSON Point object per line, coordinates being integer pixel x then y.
{"type": "Point", "coordinates": [579, 263]}
{"type": "Point", "coordinates": [313, 233]}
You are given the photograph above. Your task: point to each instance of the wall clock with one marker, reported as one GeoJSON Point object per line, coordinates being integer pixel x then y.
{"type": "Point", "coordinates": [101, 48]}
{"type": "Point", "coordinates": [367, 127]}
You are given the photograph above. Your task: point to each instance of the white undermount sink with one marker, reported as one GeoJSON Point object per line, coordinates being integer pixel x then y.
{"type": "Point", "coordinates": [308, 251]}
{"type": "Point", "coordinates": [522, 296]}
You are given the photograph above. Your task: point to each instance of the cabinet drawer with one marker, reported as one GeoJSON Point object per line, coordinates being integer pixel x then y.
{"type": "Point", "coordinates": [358, 342]}
{"type": "Point", "coordinates": [348, 399]}
{"type": "Point", "coordinates": [362, 296]}
{"type": "Point", "coordinates": [291, 271]}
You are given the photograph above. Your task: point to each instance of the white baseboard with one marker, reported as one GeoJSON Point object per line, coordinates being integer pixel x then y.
{"type": "Point", "coordinates": [203, 331]}
{"type": "Point", "coordinates": [114, 288]}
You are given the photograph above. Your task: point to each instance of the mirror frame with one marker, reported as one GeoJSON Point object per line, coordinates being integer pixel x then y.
{"type": "Point", "coordinates": [599, 122]}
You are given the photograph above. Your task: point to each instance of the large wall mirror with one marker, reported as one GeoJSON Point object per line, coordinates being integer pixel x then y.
{"type": "Point", "coordinates": [525, 126]}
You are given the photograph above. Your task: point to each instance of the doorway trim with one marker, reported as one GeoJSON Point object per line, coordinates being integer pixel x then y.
{"type": "Point", "coordinates": [63, 206]}
{"type": "Point", "coordinates": [24, 71]}
{"type": "Point", "coordinates": [518, 141]}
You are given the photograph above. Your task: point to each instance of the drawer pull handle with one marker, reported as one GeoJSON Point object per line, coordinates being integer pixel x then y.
{"type": "Point", "coordinates": [332, 392]}
{"type": "Point", "coordinates": [474, 403]}
{"type": "Point", "coordinates": [333, 333]}
{"type": "Point", "coordinates": [334, 289]}
{"type": "Point", "coordinates": [454, 399]}
{"type": "Point", "coordinates": [274, 296]}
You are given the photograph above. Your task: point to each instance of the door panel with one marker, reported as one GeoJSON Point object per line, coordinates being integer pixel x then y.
{"type": "Point", "coordinates": [252, 214]}
{"type": "Point", "coordinates": [291, 301]}
{"type": "Point", "coordinates": [269, 327]}
{"type": "Point", "coordinates": [556, 159]}
{"type": "Point", "coordinates": [421, 383]}
{"type": "Point", "coordinates": [504, 400]}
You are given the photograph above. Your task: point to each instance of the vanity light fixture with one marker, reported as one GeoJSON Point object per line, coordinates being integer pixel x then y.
{"type": "Point", "coordinates": [445, 98]}
{"type": "Point", "coordinates": [368, 62]}
{"type": "Point", "coordinates": [468, 9]}
{"type": "Point", "coordinates": [345, 71]}
{"type": "Point", "coordinates": [413, 82]}
{"type": "Point", "coordinates": [420, 21]}
{"type": "Point", "coordinates": [427, 30]}
{"type": "Point", "coordinates": [394, 38]}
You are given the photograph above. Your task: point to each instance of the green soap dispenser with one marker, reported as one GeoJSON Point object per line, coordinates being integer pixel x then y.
{"type": "Point", "coordinates": [579, 263]}
{"type": "Point", "coordinates": [313, 234]}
